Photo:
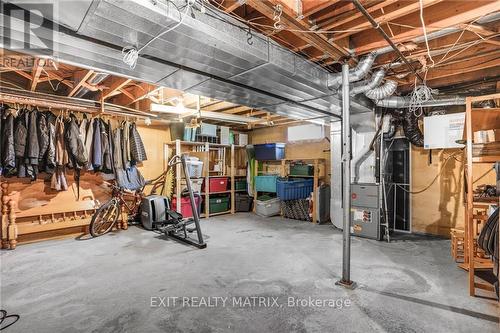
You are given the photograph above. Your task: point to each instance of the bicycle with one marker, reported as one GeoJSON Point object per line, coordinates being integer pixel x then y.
{"type": "Point", "coordinates": [106, 216]}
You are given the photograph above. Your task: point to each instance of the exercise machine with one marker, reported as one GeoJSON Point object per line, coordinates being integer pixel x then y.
{"type": "Point", "coordinates": [157, 215]}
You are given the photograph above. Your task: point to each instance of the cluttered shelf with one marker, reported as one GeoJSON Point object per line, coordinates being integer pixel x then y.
{"type": "Point", "coordinates": [194, 143]}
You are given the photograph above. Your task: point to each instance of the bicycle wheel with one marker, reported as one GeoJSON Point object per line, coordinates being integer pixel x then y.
{"type": "Point", "coordinates": [104, 218]}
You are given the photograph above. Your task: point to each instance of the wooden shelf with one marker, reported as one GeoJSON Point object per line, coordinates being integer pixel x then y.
{"type": "Point", "coordinates": [486, 159]}
{"type": "Point", "coordinates": [221, 213]}
{"type": "Point", "coordinates": [216, 145]}
{"type": "Point", "coordinates": [476, 120]}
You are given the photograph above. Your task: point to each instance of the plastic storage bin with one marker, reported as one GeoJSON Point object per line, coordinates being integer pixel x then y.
{"type": "Point", "coordinates": [294, 188]}
{"type": "Point", "coordinates": [218, 184]}
{"type": "Point", "coordinates": [219, 204]}
{"type": "Point", "coordinates": [240, 185]}
{"type": "Point", "coordinates": [265, 183]}
{"type": "Point", "coordinates": [301, 169]}
{"type": "Point", "coordinates": [268, 208]}
{"type": "Point", "coordinates": [186, 210]}
{"type": "Point", "coordinates": [194, 167]}
{"type": "Point", "coordinates": [243, 202]}
{"type": "Point", "coordinates": [270, 151]}
{"type": "Point", "coordinates": [196, 184]}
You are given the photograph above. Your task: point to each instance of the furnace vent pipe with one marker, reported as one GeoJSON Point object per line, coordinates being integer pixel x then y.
{"type": "Point", "coordinates": [396, 102]}
{"type": "Point", "coordinates": [385, 90]}
{"type": "Point", "coordinates": [374, 82]}
{"type": "Point", "coordinates": [356, 74]}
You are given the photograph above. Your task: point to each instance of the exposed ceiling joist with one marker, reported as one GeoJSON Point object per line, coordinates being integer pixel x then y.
{"type": "Point", "coordinates": [114, 84]}
{"type": "Point", "coordinates": [436, 19]}
{"type": "Point", "coordinates": [384, 18]}
{"type": "Point", "coordinates": [35, 72]}
{"type": "Point", "coordinates": [351, 16]}
{"type": "Point", "coordinates": [266, 7]}
{"type": "Point", "coordinates": [80, 78]}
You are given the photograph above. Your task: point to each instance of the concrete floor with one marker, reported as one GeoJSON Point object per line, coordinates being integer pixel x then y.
{"type": "Point", "coordinates": [107, 284]}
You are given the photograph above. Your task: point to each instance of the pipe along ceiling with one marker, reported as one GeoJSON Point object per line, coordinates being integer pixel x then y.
{"type": "Point", "coordinates": [208, 54]}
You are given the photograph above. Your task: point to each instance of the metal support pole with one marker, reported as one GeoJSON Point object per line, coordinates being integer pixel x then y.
{"type": "Point", "coordinates": [346, 191]}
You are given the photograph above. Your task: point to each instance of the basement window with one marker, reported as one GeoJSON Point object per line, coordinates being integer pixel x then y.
{"type": "Point", "coordinates": [308, 132]}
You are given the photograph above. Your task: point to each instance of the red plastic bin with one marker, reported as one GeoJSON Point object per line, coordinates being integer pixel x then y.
{"type": "Point", "coordinates": [218, 184]}
{"type": "Point", "coordinates": [186, 205]}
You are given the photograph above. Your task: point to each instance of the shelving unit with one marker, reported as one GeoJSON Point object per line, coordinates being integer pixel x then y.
{"type": "Point", "coordinates": [202, 150]}
{"type": "Point", "coordinates": [284, 172]}
{"type": "Point", "coordinates": [477, 120]}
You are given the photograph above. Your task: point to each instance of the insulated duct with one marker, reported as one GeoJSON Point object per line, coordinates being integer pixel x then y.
{"type": "Point", "coordinates": [396, 102]}
{"type": "Point", "coordinates": [411, 129]}
{"type": "Point", "coordinates": [356, 74]}
{"type": "Point", "coordinates": [367, 85]}
{"type": "Point", "coordinates": [385, 90]}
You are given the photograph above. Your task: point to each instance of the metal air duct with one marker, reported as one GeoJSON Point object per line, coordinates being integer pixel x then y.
{"type": "Point", "coordinates": [396, 102]}
{"type": "Point", "coordinates": [356, 74]}
{"type": "Point", "coordinates": [385, 90]}
{"type": "Point", "coordinates": [367, 85]}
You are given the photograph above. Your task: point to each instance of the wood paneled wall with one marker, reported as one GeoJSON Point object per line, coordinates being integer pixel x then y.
{"type": "Point", "coordinates": [441, 207]}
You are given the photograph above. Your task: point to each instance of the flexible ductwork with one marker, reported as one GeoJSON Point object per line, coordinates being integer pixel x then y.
{"type": "Point", "coordinates": [396, 102]}
{"type": "Point", "coordinates": [385, 90]}
{"type": "Point", "coordinates": [374, 82]}
{"type": "Point", "coordinates": [355, 74]}
{"type": "Point", "coordinates": [411, 129]}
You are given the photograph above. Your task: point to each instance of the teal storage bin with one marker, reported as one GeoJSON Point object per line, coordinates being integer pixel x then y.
{"type": "Point", "coordinates": [266, 183]}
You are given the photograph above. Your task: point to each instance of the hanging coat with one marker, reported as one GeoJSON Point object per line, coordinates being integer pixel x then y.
{"type": "Point", "coordinates": [50, 156]}
{"type": "Point", "coordinates": [97, 145]}
{"type": "Point", "coordinates": [61, 153]}
{"type": "Point", "coordinates": [43, 137]}
{"type": "Point", "coordinates": [82, 128]}
{"type": "Point", "coordinates": [76, 149]}
{"type": "Point", "coordinates": [32, 149]}
{"type": "Point", "coordinates": [8, 152]}
{"type": "Point", "coordinates": [125, 144]}
{"type": "Point", "coordinates": [20, 137]}
{"type": "Point", "coordinates": [106, 167]}
{"type": "Point", "coordinates": [137, 151]}
{"type": "Point", "coordinates": [89, 138]}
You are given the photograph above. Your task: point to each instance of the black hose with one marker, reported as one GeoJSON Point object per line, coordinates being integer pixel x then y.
{"type": "Point", "coordinates": [411, 129]}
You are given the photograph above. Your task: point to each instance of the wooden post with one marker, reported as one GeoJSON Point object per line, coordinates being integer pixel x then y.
{"type": "Point", "coordinates": [470, 194]}
{"type": "Point", "coordinates": [315, 191]}
{"type": "Point", "coordinates": [255, 174]}
{"type": "Point", "coordinates": [233, 209]}
{"type": "Point", "coordinates": [207, 181]}
{"type": "Point", "coordinates": [12, 228]}
{"type": "Point", "coordinates": [5, 216]}
{"type": "Point", "coordinates": [178, 177]}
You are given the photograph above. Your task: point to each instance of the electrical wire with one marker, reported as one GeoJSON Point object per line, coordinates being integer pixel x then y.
{"type": "Point", "coordinates": [425, 32]}
{"type": "Point", "coordinates": [435, 178]}
{"type": "Point", "coordinates": [131, 53]}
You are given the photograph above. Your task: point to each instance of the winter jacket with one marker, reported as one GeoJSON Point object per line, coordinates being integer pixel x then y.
{"type": "Point", "coordinates": [126, 144]}
{"type": "Point", "coordinates": [89, 138]}
{"type": "Point", "coordinates": [97, 145]}
{"type": "Point", "coordinates": [20, 135]}
{"type": "Point", "coordinates": [106, 167]}
{"type": "Point", "coordinates": [50, 156]}
{"type": "Point", "coordinates": [61, 153]}
{"type": "Point", "coordinates": [8, 152]}
{"type": "Point", "coordinates": [137, 151]}
{"type": "Point", "coordinates": [43, 136]}
{"type": "Point", "coordinates": [32, 149]}
{"type": "Point", "coordinates": [74, 144]}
